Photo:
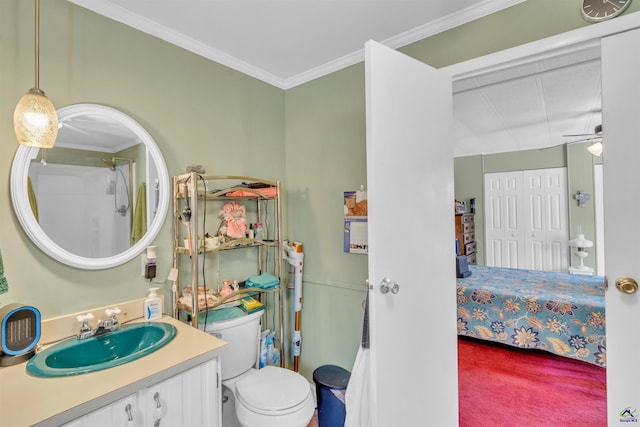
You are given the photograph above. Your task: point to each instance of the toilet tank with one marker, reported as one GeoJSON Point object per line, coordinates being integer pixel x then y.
{"type": "Point", "coordinates": [243, 336]}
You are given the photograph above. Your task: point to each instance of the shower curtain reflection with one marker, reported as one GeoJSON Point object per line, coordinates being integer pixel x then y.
{"type": "Point", "coordinates": [86, 210]}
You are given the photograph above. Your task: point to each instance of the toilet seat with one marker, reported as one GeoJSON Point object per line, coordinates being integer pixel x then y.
{"type": "Point", "coordinates": [274, 391]}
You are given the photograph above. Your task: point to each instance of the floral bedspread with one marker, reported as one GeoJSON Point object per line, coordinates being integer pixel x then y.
{"type": "Point", "coordinates": [557, 312]}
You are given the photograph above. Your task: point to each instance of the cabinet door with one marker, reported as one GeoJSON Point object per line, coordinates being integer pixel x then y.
{"type": "Point", "coordinates": [188, 399]}
{"type": "Point", "coordinates": [162, 403]}
{"type": "Point", "coordinates": [119, 414]}
{"type": "Point", "coordinates": [201, 395]}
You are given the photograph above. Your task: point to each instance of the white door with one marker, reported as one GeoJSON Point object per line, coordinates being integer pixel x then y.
{"type": "Point", "coordinates": [526, 218]}
{"type": "Point", "coordinates": [620, 112]}
{"type": "Point", "coordinates": [546, 218]}
{"type": "Point", "coordinates": [411, 241]}
{"type": "Point", "coordinates": [504, 207]}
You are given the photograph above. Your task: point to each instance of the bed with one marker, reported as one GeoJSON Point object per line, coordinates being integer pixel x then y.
{"type": "Point", "coordinates": [556, 312]}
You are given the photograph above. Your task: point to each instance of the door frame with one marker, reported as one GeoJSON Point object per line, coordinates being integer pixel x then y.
{"type": "Point", "coordinates": [569, 41]}
{"type": "Point", "coordinates": [622, 397]}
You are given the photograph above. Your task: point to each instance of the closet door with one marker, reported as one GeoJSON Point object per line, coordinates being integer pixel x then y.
{"type": "Point", "coordinates": [545, 219]}
{"type": "Point", "coordinates": [504, 232]}
{"type": "Point", "coordinates": [526, 219]}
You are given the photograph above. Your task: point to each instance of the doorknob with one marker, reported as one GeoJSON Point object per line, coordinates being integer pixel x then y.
{"type": "Point", "coordinates": [387, 285]}
{"type": "Point", "coordinates": [627, 285]}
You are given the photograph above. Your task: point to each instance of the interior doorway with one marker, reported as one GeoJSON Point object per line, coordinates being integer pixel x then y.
{"type": "Point", "coordinates": [510, 116]}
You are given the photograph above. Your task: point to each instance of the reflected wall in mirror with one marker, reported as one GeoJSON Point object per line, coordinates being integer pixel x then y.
{"type": "Point", "coordinates": [100, 196]}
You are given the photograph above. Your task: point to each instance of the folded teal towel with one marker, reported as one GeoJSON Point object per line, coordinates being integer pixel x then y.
{"type": "Point", "coordinates": [263, 281]}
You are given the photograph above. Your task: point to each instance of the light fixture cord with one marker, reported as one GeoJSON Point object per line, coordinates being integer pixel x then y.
{"type": "Point", "coordinates": [37, 59]}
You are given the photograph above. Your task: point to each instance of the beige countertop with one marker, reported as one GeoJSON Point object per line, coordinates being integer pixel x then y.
{"type": "Point", "coordinates": [26, 400]}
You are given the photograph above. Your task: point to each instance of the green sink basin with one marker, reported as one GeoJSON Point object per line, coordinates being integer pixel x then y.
{"type": "Point", "coordinates": [76, 357]}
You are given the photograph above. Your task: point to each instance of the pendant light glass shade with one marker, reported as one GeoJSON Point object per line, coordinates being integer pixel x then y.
{"type": "Point", "coordinates": [596, 148]}
{"type": "Point", "coordinates": [35, 119]}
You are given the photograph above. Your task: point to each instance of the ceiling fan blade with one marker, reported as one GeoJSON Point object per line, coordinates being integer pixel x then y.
{"type": "Point", "coordinates": [575, 135]}
{"type": "Point", "coordinates": [593, 138]}
{"type": "Point", "coordinates": [597, 133]}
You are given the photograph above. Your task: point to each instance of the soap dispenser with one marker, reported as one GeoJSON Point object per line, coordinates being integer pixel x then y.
{"type": "Point", "coordinates": [153, 305]}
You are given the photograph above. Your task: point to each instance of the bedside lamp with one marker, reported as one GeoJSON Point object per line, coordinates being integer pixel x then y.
{"type": "Point", "coordinates": [581, 243]}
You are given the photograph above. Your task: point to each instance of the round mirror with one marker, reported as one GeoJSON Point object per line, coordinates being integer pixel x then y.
{"type": "Point", "coordinates": [100, 196]}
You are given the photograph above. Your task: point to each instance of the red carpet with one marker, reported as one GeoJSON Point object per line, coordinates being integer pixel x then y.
{"type": "Point", "coordinates": [500, 386]}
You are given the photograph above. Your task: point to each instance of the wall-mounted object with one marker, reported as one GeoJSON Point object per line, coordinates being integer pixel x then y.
{"type": "Point", "coordinates": [356, 237]}
{"type": "Point", "coordinates": [582, 198]}
{"type": "Point", "coordinates": [89, 132]}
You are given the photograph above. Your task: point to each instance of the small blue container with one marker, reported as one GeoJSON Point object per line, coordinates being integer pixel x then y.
{"type": "Point", "coordinates": [331, 385]}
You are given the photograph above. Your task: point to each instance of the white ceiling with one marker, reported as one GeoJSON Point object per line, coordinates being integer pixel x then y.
{"type": "Point", "coordinates": [289, 42]}
{"type": "Point", "coordinates": [529, 106]}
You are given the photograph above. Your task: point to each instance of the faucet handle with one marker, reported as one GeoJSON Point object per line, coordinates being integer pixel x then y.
{"type": "Point", "coordinates": [84, 318]}
{"type": "Point", "coordinates": [112, 323]}
{"type": "Point", "coordinates": [85, 329]}
{"type": "Point", "coordinates": [112, 312]}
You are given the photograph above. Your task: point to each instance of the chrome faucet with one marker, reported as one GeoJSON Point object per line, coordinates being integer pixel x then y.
{"type": "Point", "coordinates": [85, 329]}
{"type": "Point", "coordinates": [105, 326]}
{"type": "Point", "coordinates": [111, 324]}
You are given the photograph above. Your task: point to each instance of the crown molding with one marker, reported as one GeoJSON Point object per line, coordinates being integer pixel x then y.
{"type": "Point", "coordinates": [125, 16]}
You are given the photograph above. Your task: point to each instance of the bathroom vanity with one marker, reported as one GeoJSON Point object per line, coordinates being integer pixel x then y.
{"type": "Point", "coordinates": [179, 384]}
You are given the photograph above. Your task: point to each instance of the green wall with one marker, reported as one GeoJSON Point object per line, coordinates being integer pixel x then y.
{"type": "Point", "coordinates": [326, 122]}
{"type": "Point", "coordinates": [312, 137]}
{"type": "Point", "coordinates": [198, 111]}
{"type": "Point", "coordinates": [469, 180]}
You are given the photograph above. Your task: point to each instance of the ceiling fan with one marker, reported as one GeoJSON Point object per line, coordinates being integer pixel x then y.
{"type": "Point", "coordinates": [596, 137]}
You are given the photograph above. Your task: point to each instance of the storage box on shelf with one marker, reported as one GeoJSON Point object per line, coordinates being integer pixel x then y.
{"type": "Point", "coordinates": [211, 220]}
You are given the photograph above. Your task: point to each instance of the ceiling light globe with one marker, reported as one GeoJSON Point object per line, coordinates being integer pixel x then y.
{"type": "Point", "coordinates": [596, 148]}
{"type": "Point", "coordinates": [35, 120]}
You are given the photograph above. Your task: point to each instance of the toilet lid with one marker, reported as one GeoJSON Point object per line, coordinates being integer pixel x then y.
{"type": "Point", "coordinates": [273, 389]}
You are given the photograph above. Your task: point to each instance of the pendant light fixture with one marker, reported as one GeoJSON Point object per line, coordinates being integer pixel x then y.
{"type": "Point", "coordinates": [596, 148]}
{"type": "Point", "coordinates": [35, 120]}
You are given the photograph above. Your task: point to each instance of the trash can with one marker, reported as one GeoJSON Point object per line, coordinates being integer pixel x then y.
{"type": "Point", "coordinates": [331, 385]}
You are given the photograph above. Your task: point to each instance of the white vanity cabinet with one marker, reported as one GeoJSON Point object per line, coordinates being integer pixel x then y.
{"type": "Point", "coordinates": [188, 399]}
{"type": "Point", "coordinates": [120, 413]}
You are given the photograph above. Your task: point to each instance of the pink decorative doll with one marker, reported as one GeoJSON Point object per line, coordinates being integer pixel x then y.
{"type": "Point", "coordinates": [236, 220]}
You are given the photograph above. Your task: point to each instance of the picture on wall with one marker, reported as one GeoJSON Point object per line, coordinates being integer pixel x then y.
{"type": "Point", "coordinates": [355, 222]}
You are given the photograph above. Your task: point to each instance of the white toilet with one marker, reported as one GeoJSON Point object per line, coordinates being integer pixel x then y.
{"type": "Point", "coordinates": [271, 396]}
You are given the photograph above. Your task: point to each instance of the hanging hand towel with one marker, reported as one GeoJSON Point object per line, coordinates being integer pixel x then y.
{"type": "Point", "coordinates": [32, 199]}
{"type": "Point", "coordinates": [4, 286]}
{"type": "Point", "coordinates": [140, 215]}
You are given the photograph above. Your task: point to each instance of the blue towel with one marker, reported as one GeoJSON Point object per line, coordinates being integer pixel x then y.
{"type": "Point", "coordinates": [263, 281]}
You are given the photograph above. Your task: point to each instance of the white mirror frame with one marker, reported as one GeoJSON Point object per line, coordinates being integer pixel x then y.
{"type": "Point", "coordinates": [20, 199]}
